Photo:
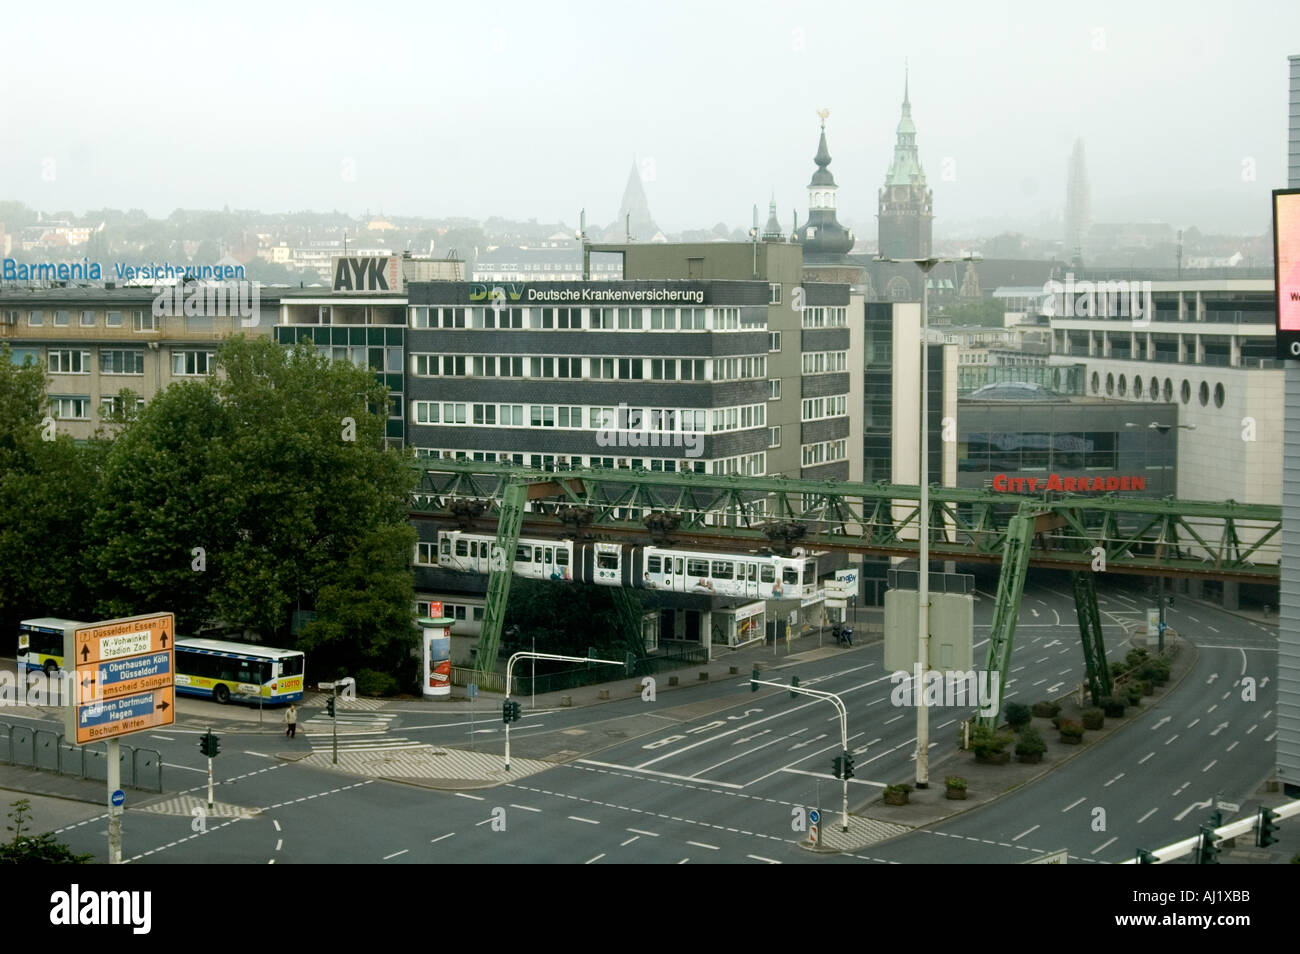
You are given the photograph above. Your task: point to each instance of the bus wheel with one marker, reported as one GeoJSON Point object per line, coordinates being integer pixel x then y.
{"type": "Point", "coordinates": [51, 667]}
{"type": "Point", "coordinates": [221, 694]}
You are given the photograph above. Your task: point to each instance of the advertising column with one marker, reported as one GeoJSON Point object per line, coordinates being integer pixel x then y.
{"type": "Point", "coordinates": [436, 642]}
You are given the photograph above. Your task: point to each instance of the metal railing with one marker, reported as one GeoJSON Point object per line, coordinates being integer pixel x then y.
{"type": "Point", "coordinates": [45, 750]}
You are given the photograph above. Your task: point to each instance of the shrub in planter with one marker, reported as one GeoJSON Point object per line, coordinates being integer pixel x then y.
{"type": "Point", "coordinates": [1155, 671]}
{"type": "Point", "coordinates": [1071, 732]}
{"type": "Point", "coordinates": [1135, 658]}
{"type": "Point", "coordinates": [1134, 694]}
{"type": "Point", "coordinates": [990, 746]}
{"type": "Point", "coordinates": [1031, 746]}
{"type": "Point", "coordinates": [1117, 669]}
{"type": "Point", "coordinates": [1113, 706]}
{"type": "Point", "coordinates": [1046, 710]}
{"type": "Point", "coordinates": [1093, 719]}
{"type": "Point", "coordinates": [956, 786]}
{"type": "Point", "coordinates": [896, 794]}
{"type": "Point", "coordinates": [1056, 721]}
{"type": "Point", "coordinates": [373, 683]}
{"type": "Point", "coordinates": [1146, 687]}
{"type": "Point", "coordinates": [1018, 715]}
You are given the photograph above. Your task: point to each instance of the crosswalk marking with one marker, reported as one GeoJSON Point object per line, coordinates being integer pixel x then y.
{"type": "Point", "coordinates": [357, 732]}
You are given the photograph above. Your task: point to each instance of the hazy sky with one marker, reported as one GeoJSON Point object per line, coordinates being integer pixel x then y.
{"type": "Point", "coordinates": [537, 109]}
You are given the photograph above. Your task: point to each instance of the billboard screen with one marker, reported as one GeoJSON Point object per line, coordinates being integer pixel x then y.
{"type": "Point", "coordinates": [1286, 270]}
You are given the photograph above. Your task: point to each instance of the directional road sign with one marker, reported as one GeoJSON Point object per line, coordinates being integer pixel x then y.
{"type": "Point", "coordinates": [125, 674]}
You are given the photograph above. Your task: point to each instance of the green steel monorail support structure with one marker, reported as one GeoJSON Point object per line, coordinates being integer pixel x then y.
{"type": "Point", "coordinates": [1083, 534]}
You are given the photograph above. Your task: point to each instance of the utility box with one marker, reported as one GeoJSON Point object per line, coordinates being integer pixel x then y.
{"type": "Point", "coordinates": [952, 631]}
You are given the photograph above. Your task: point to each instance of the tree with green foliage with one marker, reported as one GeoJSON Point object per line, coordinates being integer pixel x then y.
{"type": "Point", "coordinates": [35, 849]}
{"type": "Point", "coordinates": [569, 618]}
{"type": "Point", "coordinates": [244, 497]}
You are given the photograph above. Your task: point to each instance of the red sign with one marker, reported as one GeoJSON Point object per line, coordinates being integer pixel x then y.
{"type": "Point", "coordinates": [1068, 485]}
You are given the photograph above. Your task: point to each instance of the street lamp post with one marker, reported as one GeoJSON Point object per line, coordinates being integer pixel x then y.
{"type": "Point", "coordinates": [1160, 580]}
{"type": "Point", "coordinates": [925, 265]}
{"type": "Point", "coordinates": [535, 656]}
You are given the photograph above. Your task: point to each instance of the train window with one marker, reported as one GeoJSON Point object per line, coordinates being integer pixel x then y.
{"type": "Point", "coordinates": [537, 555]}
{"type": "Point", "coordinates": [654, 564]}
{"type": "Point", "coordinates": [790, 575]}
{"type": "Point", "coordinates": [473, 549]}
{"type": "Point", "coordinates": [809, 573]}
{"type": "Point", "coordinates": [478, 614]}
{"type": "Point", "coordinates": [462, 548]}
{"type": "Point", "coordinates": [697, 567]}
{"type": "Point", "coordinates": [607, 561]}
{"type": "Point", "coordinates": [752, 574]}
{"type": "Point", "coordinates": [550, 554]}
{"type": "Point", "coordinates": [460, 612]}
{"type": "Point", "coordinates": [446, 547]}
{"type": "Point", "coordinates": [722, 570]}
{"type": "Point", "coordinates": [523, 554]}
{"type": "Point", "coordinates": [767, 573]}
{"type": "Point", "coordinates": [561, 556]}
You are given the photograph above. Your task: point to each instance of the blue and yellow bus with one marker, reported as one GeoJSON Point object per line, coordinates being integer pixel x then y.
{"type": "Point", "coordinates": [211, 668]}
{"type": "Point", "coordinates": [220, 670]}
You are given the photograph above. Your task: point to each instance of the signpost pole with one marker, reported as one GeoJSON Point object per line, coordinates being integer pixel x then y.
{"type": "Point", "coordinates": [209, 780]}
{"type": "Point", "coordinates": [114, 811]}
{"type": "Point", "coordinates": [334, 727]}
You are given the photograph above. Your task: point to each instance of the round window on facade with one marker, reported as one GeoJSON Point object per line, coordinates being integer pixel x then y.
{"type": "Point", "coordinates": [1137, 387]}
{"type": "Point", "coordinates": [1110, 384]}
{"type": "Point", "coordinates": [1218, 395]}
{"type": "Point", "coordinates": [1204, 394]}
{"type": "Point", "coordinates": [1096, 382]}
{"type": "Point", "coordinates": [1155, 389]}
{"type": "Point", "coordinates": [1186, 391]}
{"type": "Point", "coordinates": [1123, 385]}
{"type": "Point", "coordinates": [1169, 391]}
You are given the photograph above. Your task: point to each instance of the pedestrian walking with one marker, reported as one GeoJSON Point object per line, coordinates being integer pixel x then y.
{"type": "Point", "coordinates": [291, 720]}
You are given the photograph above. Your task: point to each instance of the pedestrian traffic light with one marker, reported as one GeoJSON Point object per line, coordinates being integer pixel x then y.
{"type": "Point", "coordinates": [329, 705]}
{"type": "Point", "coordinates": [794, 684]}
{"type": "Point", "coordinates": [753, 680]}
{"type": "Point", "coordinates": [1266, 830]}
{"type": "Point", "coordinates": [1207, 851]}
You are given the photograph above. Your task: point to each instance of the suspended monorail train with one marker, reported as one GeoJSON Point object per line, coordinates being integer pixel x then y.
{"type": "Point", "coordinates": [649, 568]}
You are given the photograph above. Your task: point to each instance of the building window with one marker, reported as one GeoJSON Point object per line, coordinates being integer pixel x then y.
{"type": "Point", "coordinates": [71, 408]}
{"type": "Point", "coordinates": [1186, 391]}
{"type": "Point", "coordinates": [1154, 390]}
{"type": "Point", "coordinates": [774, 341]}
{"type": "Point", "coordinates": [1204, 394]}
{"type": "Point", "coordinates": [1219, 395]}
{"type": "Point", "coordinates": [35, 319]}
{"type": "Point", "coordinates": [774, 436]}
{"type": "Point", "coordinates": [61, 318]}
{"type": "Point", "coordinates": [775, 297]}
{"type": "Point", "coordinates": [113, 319]}
{"type": "Point", "coordinates": [109, 406]}
{"type": "Point", "coordinates": [192, 362]}
{"type": "Point", "coordinates": [1169, 391]}
{"type": "Point", "coordinates": [87, 319]}
{"type": "Point", "coordinates": [1110, 384]}
{"type": "Point", "coordinates": [121, 362]}
{"type": "Point", "coordinates": [1123, 385]}
{"type": "Point", "coordinates": [774, 389]}
{"type": "Point", "coordinates": [63, 361]}
{"type": "Point", "coordinates": [143, 321]}
{"type": "Point", "coordinates": [1096, 383]}
{"type": "Point", "coordinates": [1137, 386]}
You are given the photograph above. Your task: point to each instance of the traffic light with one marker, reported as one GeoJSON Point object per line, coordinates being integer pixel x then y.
{"type": "Point", "coordinates": [209, 744]}
{"type": "Point", "coordinates": [848, 765]}
{"type": "Point", "coordinates": [629, 663]}
{"type": "Point", "coordinates": [753, 680]}
{"type": "Point", "coordinates": [843, 766]}
{"type": "Point", "coordinates": [1145, 857]}
{"type": "Point", "coordinates": [509, 711]}
{"type": "Point", "coordinates": [838, 766]}
{"type": "Point", "coordinates": [1207, 851]}
{"type": "Point", "coordinates": [329, 705]}
{"type": "Point", "coordinates": [794, 684]}
{"type": "Point", "coordinates": [1171, 601]}
{"type": "Point", "coordinates": [1266, 830]}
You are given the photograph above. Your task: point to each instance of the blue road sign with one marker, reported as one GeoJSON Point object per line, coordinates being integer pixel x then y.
{"type": "Point", "coordinates": [1163, 626]}
{"type": "Point", "coordinates": [119, 798]}
{"type": "Point", "coordinates": [116, 710]}
{"type": "Point", "coordinates": [814, 815]}
{"type": "Point", "coordinates": [138, 667]}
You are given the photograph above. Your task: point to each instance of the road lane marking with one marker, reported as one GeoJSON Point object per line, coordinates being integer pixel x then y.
{"type": "Point", "coordinates": [1213, 763]}
{"type": "Point", "coordinates": [1114, 780]}
{"type": "Point", "coordinates": [1193, 723]}
{"type": "Point", "coordinates": [629, 841]}
{"type": "Point", "coordinates": [186, 767]}
{"type": "Point", "coordinates": [597, 858]}
{"type": "Point", "coordinates": [441, 837]}
{"type": "Point", "coordinates": [165, 738]}
{"type": "Point", "coordinates": [701, 844]}
{"type": "Point", "coordinates": [648, 834]}
{"type": "Point", "coordinates": [477, 798]}
{"type": "Point", "coordinates": [579, 818]}
{"type": "Point", "coordinates": [1071, 805]}
{"type": "Point", "coordinates": [1147, 815]}
{"type": "Point", "coordinates": [683, 861]}
{"type": "Point", "coordinates": [276, 823]}
{"type": "Point", "coordinates": [646, 771]}
{"type": "Point", "coordinates": [1252, 728]}
{"type": "Point", "coordinates": [524, 808]}
{"type": "Point", "coordinates": [761, 858]}
{"type": "Point", "coordinates": [1145, 757]}
{"type": "Point", "coordinates": [1171, 738]}
{"type": "Point", "coordinates": [396, 853]}
{"type": "Point", "coordinates": [1028, 831]}
{"type": "Point", "coordinates": [1104, 845]}
{"type": "Point", "coordinates": [1233, 746]}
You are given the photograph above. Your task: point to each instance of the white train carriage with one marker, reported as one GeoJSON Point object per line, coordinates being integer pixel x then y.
{"type": "Point", "coordinates": [730, 575]}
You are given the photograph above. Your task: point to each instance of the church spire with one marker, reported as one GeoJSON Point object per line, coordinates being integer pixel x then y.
{"type": "Point", "coordinates": [906, 203]}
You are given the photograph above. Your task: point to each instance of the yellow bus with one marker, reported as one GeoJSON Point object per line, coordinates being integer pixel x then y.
{"type": "Point", "coordinates": [220, 670]}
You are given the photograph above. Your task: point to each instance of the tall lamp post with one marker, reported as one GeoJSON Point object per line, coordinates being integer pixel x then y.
{"type": "Point", "coordinates": [1160, 580]}
{"type": "Point", "coordinates": [926, 265]}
